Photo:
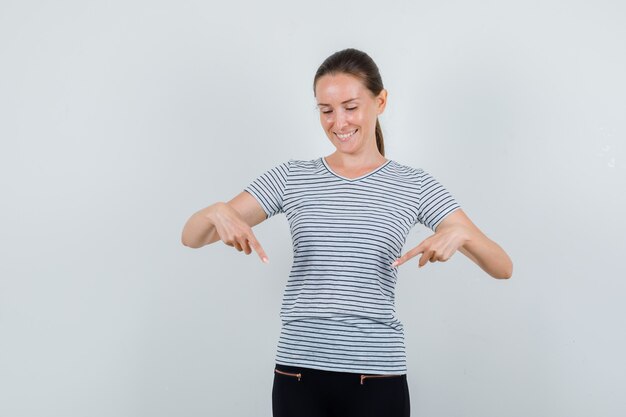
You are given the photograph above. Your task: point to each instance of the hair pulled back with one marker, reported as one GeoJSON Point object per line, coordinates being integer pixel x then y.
{"type": "Point", "coordinates": [360, 65]}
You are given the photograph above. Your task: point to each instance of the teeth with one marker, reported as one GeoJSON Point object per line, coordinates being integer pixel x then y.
{"type": "Point", "coordinates": [347, 135]}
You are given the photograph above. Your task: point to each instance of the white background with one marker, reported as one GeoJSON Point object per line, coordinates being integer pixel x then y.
{"type": "Point", "coordinates": [118, 120]}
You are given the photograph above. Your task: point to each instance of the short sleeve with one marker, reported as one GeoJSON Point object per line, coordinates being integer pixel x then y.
{"type": "Point", "coordinates": [435, 201]}
{"type": "Point", "coordinates": [269, 188]}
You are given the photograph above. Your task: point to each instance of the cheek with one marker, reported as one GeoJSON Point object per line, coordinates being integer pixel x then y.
{"type": "Point", "coordinates": [326, 122]}
{"type": "Point", "coordinates": [358, 119]}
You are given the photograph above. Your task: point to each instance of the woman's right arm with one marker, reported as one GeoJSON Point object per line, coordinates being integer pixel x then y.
{"type": "Point", "coordinates": [230, 222]}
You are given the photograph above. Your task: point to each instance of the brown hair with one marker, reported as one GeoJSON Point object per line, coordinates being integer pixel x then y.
{"type": "Point", "coordinates": [360, 65]}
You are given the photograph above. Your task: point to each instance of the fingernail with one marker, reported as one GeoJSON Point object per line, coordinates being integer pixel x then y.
{"type": "Point", "coordinates": [267, 261]}
{"type": "Point", "coordinates": [395, 263]}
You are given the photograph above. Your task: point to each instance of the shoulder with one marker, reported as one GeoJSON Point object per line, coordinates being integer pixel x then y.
{"type": "Point", "coordinates": [302, 163]}
{"type": "Point", "coordinates": [416, 179]}
{"type": "Point", "coordinates": [304, 166]}
{"type": "Point", "coordinates": [413, 173]}
{"type": "Point", "coordinates": [403, 169]}
{"type": "Point", "coordinates": [405, 173]}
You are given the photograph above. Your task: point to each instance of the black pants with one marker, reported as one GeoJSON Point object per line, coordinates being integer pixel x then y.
{"type": "Point", "coordinates": [307, 392]}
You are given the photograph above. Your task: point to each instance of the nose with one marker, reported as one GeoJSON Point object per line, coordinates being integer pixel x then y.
{"type": "Point", "coordinates": [340, 120]}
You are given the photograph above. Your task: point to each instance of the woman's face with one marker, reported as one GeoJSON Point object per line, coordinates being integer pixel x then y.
{"type": "Point", "coordinates": [348, 111]}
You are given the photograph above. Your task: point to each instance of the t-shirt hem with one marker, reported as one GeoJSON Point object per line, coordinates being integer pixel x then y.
{"type": "Point", "coordinates": [339, 368]}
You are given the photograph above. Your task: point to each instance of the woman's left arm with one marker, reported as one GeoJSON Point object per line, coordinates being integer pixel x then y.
{"type": "Point", "coordinates": [458, 232]}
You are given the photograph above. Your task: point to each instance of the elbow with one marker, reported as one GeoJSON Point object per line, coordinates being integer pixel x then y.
{"type": "Point", "coordinates": [187, 243]}
{"type": "Point", "coordinates": [504, 273]}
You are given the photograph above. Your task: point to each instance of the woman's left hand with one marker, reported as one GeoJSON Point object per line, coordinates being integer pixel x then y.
{"type": "Point", "coordinates": [438, 247]}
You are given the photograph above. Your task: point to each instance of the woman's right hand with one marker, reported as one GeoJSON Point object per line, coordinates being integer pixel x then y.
{"type": "Point", "coordinates": [233, 230]}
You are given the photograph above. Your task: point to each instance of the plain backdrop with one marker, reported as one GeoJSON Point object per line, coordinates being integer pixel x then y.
{"type": "Point", "coordinates": [119, 120]}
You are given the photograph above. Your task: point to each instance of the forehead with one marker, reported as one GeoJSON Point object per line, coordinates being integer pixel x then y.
{"type": "Point", "coordinates": [337, 88]}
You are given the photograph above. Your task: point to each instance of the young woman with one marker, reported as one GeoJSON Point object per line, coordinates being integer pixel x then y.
{"type": "Point", "coordinates": [341, 349]}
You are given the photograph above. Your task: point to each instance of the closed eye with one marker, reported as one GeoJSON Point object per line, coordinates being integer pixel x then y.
{"type": "Point", "coordinates": [330, 111]}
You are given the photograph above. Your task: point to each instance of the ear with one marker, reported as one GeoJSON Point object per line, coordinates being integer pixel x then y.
{"type": "Point", "coordinates": [381, 99]}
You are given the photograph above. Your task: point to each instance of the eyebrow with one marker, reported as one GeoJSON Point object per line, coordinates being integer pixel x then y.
{"type": "Point", "coordinates": [343, 102]}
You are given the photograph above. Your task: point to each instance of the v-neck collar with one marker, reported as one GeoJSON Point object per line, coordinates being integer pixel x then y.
{"type": "Point", "coordinates": [357, 178]}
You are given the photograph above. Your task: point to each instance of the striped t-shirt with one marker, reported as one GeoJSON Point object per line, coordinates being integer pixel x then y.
{"type": "Point", "coordinates": [338, 311]}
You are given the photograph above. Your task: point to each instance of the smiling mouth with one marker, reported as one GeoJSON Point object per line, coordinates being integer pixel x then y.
{"type": "Point", "coordinates": [346, 136]}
